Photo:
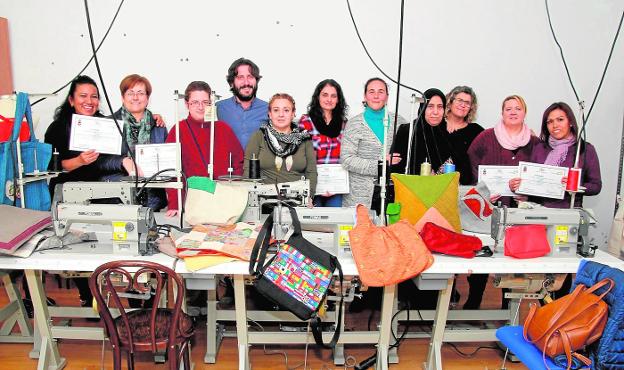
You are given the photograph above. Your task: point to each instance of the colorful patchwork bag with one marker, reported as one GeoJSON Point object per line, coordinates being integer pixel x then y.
{"type": "Point", "coordinates": [298, 277]}
{"type": "Point", "coordinates": [428, 199]}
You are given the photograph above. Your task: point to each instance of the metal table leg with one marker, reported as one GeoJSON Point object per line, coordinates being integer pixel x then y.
{"type": "Point", "coordinates": [384, 330]}
{"type": "Point", "coordinates": [241, 323]}
{"type": "Point", "coordinates": [49, 357]}
{"type": "Point", "coordinates": [434, 357]}
{"type": "Point", "coordinates": [14, 313]}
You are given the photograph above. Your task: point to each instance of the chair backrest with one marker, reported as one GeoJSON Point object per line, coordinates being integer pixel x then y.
{"type": "Point", "coordinates": [115, 280]}
{"type": "Point", "coordinates": [607, 351]}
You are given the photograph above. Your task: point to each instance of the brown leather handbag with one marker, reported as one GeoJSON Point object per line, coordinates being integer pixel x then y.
{"type": "Point", "coordinates": [570, 322]}
{"type": "Point", "coordinates": [386, 255]}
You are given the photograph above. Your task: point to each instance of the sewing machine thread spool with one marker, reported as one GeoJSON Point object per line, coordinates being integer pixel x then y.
{"type": "Point", "coordinates": [449, 167]}
{"type": "Point", "coordinates": [56, 161]}
{"type": "Point", "coordinates": [574, 179]}
{"type": "Point", "coordinates": [254, 167]}
{"type": "Point", "coordinates": [425, 169]}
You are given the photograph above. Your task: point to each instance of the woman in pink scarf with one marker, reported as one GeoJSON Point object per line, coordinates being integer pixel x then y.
{"type": "Point", "coordinates": [508, 143]}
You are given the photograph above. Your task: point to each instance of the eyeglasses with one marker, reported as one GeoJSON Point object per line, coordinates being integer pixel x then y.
{"type": "Point", "coordinates": [138, 94]}
{"type": "Point", "coordinates": [463, 102]}
{"type": "Point", "coordinates": [196, 103]}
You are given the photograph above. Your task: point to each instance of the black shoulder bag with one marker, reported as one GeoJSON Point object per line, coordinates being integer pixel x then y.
{"type": "Point", "coordinates": [298, 277]}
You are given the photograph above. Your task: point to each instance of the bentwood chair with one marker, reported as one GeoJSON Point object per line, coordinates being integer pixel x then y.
{"type": "Point", "coordinates": [161, 331]}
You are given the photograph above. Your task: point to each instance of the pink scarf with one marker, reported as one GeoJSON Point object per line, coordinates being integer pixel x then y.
{"type": "Point", "coordinates": [512, 142]}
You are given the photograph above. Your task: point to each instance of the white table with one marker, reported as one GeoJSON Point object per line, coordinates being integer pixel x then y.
{"type": "Point", "coordinates": [497, 264]}
{"type": "Point", "coordinates": [45, 348]}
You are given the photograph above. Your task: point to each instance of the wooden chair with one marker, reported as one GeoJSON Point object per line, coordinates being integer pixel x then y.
{"type": "Point", "coordinates": [161, 331]}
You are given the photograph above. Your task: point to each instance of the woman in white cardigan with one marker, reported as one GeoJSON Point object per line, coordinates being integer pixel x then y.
{"type": "Point", "coordinates": [362, 143]}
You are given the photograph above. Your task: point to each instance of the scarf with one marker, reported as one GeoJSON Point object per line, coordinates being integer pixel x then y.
{"type": "Point", "coordinates": [137, 132]}
{"type": "Point", "coordinates": [512, 142]}
{"type": "Point", "coordinates": [559, 150]}
{"type": "Point", "coordinates": [332, 130]}
{"type": "Point", "coordinates": [283, 145]}
{"type": "Point", "coordinates": [374, 120]}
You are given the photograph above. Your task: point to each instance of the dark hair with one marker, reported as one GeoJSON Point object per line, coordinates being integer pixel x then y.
{"type": "Point", "coordinates": [569, 114]}
{"type": "Point", "coordinates": [133, 79]}
{"type": "Point", "coordinates": [340, 111]}
{"type": "Point", "coordinates": [196, 86]}
{"type": "Point", "coordinates": [375, 79]}
{"type": "Point", "coordinates": [65, 110]}
{"type": "Point", "coordinates": [233, 70]}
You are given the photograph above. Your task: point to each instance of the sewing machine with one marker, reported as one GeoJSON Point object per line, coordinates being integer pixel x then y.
{"type": "Point", "coordinates": [566, 229]}
{"type": "Point", "coordinates": [326, 227]}
{"type": "Point", "coordinates": [130, 228]}
{"type": "Point", "coordinates": [296, 193]}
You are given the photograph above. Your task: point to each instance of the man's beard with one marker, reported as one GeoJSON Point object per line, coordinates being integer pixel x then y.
{"type": "Point", "coordinates": [242, 97]}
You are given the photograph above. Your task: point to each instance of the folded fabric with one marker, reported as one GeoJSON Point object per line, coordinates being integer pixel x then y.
{"type": "Point", "coordinates": [24, 223]}
{"type": "Point", "coordinates": [475, 208]}
{"type": "Point", "coordinates": [441, 240]}
{"type": "Point", "coordinates": [212, 202]}
{"type": "Point", "coordinates": [428, 199]}
{"type": "Point", "coordinates": [386, 255]}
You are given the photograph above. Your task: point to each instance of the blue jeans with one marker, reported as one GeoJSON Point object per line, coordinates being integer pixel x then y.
{"type": "Point", "coordinates": [333, 201]}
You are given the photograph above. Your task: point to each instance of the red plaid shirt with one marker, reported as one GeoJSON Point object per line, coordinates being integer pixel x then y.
{"type": "Point", "coordinates": [327, 148]}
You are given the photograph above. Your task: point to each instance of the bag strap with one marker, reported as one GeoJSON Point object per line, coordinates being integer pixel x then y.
{"type": "Point", "coordinates": [201, 155]}
{"type": "Point", "coordinates": [22, 108]}
{"type": "Point", "coordinates": [261, 246]}
{"type": "Point", "coordinates": [361, 216]}
{"type": "Point", "coordinates": [315, 322]}
{"type": "Point", "coordinates": [294, 219]}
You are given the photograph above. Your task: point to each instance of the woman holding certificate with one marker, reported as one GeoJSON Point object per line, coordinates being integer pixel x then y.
{"type": "Point", "coordinates": [508, 143]}
{"type": "Point", "coordinates": [84, 99]}
{"type": "Point", "coordinates": [363, 141]}
{"type": "Point", "coordinates": [325, 122]}
{"type": "Point", "coordinates": [558, 148]}
{"type": "Point", "coordinates": [285, 152]}
{"type": "Point", "coordinates": [139, 127]}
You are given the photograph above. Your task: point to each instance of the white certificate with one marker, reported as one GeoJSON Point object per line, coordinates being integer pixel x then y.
{"type": "Point", "coordinates": [497, 178]}
{"type": "Point", "coordinates": [332, 178]}
{"type": "Point", "coordinates": [152, 158]}
{"type": "Point", "coordinates": [541, 180]}
{"type": "Point", "coordinates": [94, 133]}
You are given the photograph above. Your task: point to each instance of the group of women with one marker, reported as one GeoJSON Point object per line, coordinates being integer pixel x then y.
{"type": "Point", "coordinates": [443, 133]}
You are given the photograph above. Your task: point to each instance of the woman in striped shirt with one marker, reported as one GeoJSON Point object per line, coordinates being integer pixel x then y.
{"type": "Point", "coordinates": [325, 122]}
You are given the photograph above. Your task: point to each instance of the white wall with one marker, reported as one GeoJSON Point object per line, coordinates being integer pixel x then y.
{"type": "Point", "coordinates": [497, 47]}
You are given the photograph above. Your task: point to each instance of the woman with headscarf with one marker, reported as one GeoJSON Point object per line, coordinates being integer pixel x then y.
{"type": "Point", "coordinates": [429, 140]}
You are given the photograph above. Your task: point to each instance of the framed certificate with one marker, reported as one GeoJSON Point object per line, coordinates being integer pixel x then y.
{"type": "Point", "coordinates": [542, 180]}
{"type": "Point", "coordinates": [152, 158]}
{"type": "Point", "coordinates": [94, 133]}
{"type": "Point", "coordinates": [332, 178]}
{"type": "Point", "coordinates": [497, 178]}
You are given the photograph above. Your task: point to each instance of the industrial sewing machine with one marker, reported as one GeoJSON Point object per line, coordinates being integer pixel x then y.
{"type": "Point", "coordinates": [326, 227]}
{"type": "Point", "coordinates": [262, 197]}
{"type": "Point", "coordinates": [131, 228]}
{"type": "Point", "coordinates": [566, 229]}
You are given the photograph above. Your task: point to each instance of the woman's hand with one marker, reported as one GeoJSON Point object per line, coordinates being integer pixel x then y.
{"type": "Point", "coordinates": [327, 194]}
{"type": "Point", "coordinates": [396, 158]}
{"type": "Point", "coordinates": [129, 167]}
{"type": "Point", "coordinates": [171, 213]}
{"type": "Point", "coordinates": [160, 122]}
{"type": "Point", "coordinates": [494, 198]}
{"type": "Point", "coordinates": [514, 184]}
{"type": "Point", "coordinates": [88, 157]}
{"type": "Point", "coordinates": [564, 181]}
{"type": "Point", "coordinates": [310, 203]}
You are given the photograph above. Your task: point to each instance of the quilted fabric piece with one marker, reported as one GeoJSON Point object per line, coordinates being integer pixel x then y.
{"type": "Point", "coordinates": [428, 199]}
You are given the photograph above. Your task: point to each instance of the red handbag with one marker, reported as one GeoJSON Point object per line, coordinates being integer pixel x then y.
{"type": "Point", "coordinates": [441, 240]}
{"type": "Point", "coordinates": [526, 241]}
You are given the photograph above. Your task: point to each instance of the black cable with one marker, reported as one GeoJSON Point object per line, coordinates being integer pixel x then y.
{"type": "Point", "coordinates": [473, 353]}
{"type": "Point", "coordinates": [110, 107]}
{"type": "Point", "coordinates": [357, 32]}
{"type": "Point", "coordinates": [150, 179]}
{"type": "Point", "coordinates": [110, 26]}
{"type": "Point", "coordinates": [585, 118]}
